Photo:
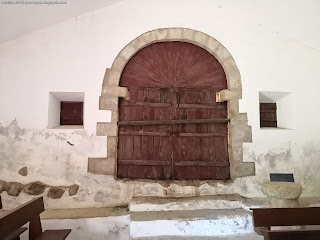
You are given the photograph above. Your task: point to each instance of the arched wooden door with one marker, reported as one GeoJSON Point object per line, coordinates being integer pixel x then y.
{"type": "Point", "coordinates": [172, 127]}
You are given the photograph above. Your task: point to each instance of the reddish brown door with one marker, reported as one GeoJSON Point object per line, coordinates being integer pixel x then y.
{"type": "Point", "coordinates": [172, 128]}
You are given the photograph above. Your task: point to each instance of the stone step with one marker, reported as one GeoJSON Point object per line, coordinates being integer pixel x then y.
{"type": "Point", "coordinates": [252, 236]}
{"type": "Point", "coordinates": [194, 223]}
{"type": "Point", "coordinates": [231, 201]}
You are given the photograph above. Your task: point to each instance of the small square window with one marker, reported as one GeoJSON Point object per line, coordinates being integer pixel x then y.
{"type": "Point", "coordinates": [71, 113]}
{"type": "Point", "coordinates": [276, 110]}
{"type": "Point", "coordinates": [268, 115]}
{"type": "Point", "coordinates": [66, 110]}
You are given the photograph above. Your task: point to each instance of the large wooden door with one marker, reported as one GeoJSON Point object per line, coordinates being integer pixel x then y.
{"type": "Point", "coordinates": [172, 128]}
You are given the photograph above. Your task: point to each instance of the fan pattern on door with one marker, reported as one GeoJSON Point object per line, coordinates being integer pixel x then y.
{"type": "Point", "coordinates": [172, 127]}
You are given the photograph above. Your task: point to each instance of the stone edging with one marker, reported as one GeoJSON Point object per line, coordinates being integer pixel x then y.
{"type": "Point", "coordinates": [37, 188]}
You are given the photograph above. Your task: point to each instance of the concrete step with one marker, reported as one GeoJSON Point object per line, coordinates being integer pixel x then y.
{"type": "Point", "coordinates": [253, 236]}
{"type": "Point", "coordinates": [231, 201]}
{"type": "Point", "coordinates": [194, 223]}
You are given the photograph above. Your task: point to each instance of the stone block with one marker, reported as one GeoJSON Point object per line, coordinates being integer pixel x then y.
{"type": "Point", "coordinates": [139, 43]}
{"type": "Point", "coordinates": [188, 34]}
{"type": "Point", "coordinates": [282, 190]}
{"type": "Point", "coordinates": [239, 119]}
{"type": "Point", "coordinates": [222, 54]}
{"type": "Point", "coordinates": [175, 33]}
{"type": "Point", "coordinates": [236, 152]}
{"type": "Point", "coordinates": [119, 63]}
{"type": "Point", "coordinates": [107, 129]}
{"type": "Point", "coordinates": [56, 192]}
{"type": "Point", "coordinates": [35, 188]}
{"type": "Point", "coordinates": [106, 77]}
{"type": "Point", "coordinates": [161, 34]}
{"type": "Point", "coordinates": [282, 203]}
{"type": "Point", "coordinates": [234, 77]}
{"type": "Point", "coordinates": [2, 185]}
{"type": "Point", "coordinates": [105, 166]}
{"type": "Point", "coordinates": [110, 91]}
{"type": "Point", "coordinates": [227, 95]}
{"type": "Point", "coordinates": [112, 147]}
{"type": "Point", "coordinates": [73, 190]}
{"type": "Point", "coordinates": [14, 188]}
{"type": "Point", "coordinates": [233, 107]}
{"type": "Point", "coordinates": [115, 116]}
{"type": "Point", "coordinates": [242, 169]}
{"type": "Point", "coordinates": [127, 52]}
{"type": "Point", "coordinates": [108, 103]}
{"type": "Point", "coordinates": [23, 171]}
{"type": "Point", "coordinates": [201, 38]}
{"type": "Point", "coordinates": [212, 45]}
{"type": "Point", "coordinates": [113, 78]}
{"type": "Point", "coordinates": [240, 133]}
{"type": "Point", "coordinates": [150, 36]}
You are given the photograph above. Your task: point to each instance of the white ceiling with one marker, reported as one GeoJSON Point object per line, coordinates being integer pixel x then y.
{"type": "Point", "coordinates": [19, 19]}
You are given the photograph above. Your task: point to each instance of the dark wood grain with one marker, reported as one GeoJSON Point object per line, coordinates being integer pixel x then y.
{"type": "Point", "coordinates": [71, 113]}
{"type": "Point", "coordinates": [172, 122]}
{"type": "Point", "coordinates": [54, 234]}
{"type": "Point", "coordinates": [10, 221]}
{"type": "Point", "coordinates": [172, 126]}
{"type": "Point", "coordinates": [265, 218]}
{"type": "Point", "coordinates": [268, 115]}
{"type": "Point", "coordinates": [16, 234]}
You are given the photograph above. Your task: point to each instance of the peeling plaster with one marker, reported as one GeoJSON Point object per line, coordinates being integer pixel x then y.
{"type": "Point", "coordinates": [52, 160]}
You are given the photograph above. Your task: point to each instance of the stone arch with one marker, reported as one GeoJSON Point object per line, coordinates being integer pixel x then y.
{"type": "Point", "coordinates": [239, 130]}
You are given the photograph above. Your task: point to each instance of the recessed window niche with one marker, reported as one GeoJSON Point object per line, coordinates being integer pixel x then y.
{"type": "Point", "coordinates": [65, 110]}
{"type": "Point", "coordinates": [275, 110]}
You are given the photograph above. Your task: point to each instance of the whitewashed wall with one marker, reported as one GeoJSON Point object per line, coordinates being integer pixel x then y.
{"type": "Point", "coordinates": [274, 43]}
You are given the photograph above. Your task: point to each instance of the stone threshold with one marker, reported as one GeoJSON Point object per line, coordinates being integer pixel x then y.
{"type": "Point", "coordinates": [228, 201]}
{"type": "Point", "coordinates": [78, 213]}
{"type": "Point", "coordinates": [191, 215]}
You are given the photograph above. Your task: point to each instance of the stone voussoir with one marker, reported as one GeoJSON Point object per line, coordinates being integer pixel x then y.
{"type": "Point", "coordinates": [106, 77]}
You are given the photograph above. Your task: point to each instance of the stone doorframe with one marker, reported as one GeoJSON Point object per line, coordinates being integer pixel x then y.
{"type": "Point", "coordinates": [239, 130]}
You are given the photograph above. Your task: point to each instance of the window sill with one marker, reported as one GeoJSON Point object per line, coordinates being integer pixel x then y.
{"type": "Point", "coordinates": [274, 128]}
{"type": "Point", "coordinates": [68, 127]}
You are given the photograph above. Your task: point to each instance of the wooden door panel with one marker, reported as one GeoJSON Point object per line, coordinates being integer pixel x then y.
{"type": "Point", "coordinates": [173, 81]}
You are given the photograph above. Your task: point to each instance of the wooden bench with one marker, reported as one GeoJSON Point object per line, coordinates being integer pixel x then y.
{"type": "Point", "coordinates": [266, 218]}
{"type": "Point", "coordinates": [11, 223]}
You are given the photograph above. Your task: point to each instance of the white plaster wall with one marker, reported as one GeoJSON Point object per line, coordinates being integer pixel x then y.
{"type": "Point", "coordinates": [53, 111]}
{"type": "Point", "coordinates": [274, 43]}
